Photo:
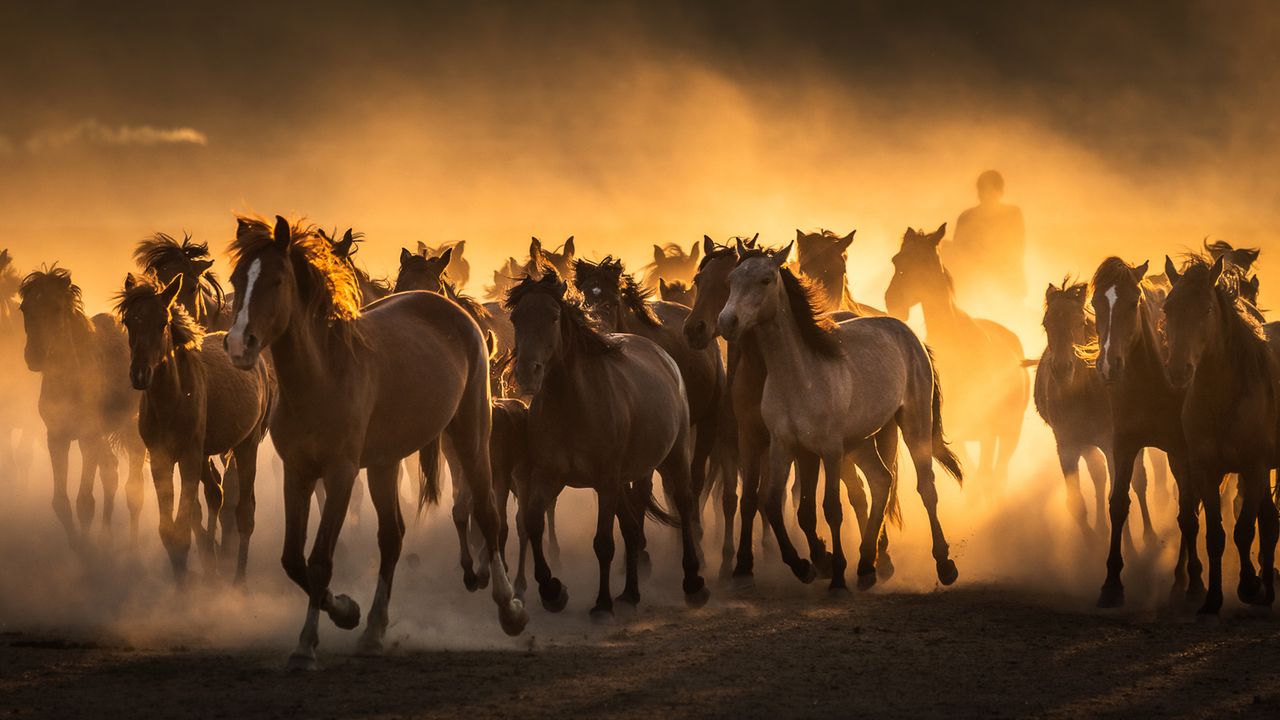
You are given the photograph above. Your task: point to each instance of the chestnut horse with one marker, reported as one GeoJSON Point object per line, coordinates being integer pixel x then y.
{"type": "Point", "coordinates": [405, 369]}
{"type": "Point", "coordinates": [195, 405]}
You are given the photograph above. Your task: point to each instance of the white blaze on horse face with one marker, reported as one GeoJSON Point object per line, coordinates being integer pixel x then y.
{"type": "Point", "coordinates": [235, 337]}
{"type": "Point", "coordinates": [1106, 342]}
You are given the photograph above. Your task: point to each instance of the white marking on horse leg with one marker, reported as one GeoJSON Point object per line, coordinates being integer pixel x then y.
{"type": "Point", "coordinates": [309, 638]}
{"type": "Point", "coordinates": [502, 590]}
{"type": "Point", "coordinates": [1106, 343]}
{"type": "Point", "coordinates": [235, 336]}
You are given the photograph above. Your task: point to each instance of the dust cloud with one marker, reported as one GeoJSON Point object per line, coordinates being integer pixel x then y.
{"type": "Point", "coordinates": [625, 128]}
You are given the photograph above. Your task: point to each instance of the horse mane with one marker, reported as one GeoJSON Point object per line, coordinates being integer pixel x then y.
{"type": "Point", "coordinates": [468, 303]}
{"type": "Point", "coordinates": [634, 297]}
{"type": "Point", "coordinates": [1245, 342]}
{"type": "Point", "coordinates": [161, 249]}
{"type": "Point", "coordinates": [185, 331]}
{"type": "Point", "coordinates": [718, 251]}
{"type": "Point", "coordinates": [57, 280]}
{"type": "Point", "coordinates": [334, 287]}
{"type": "Point", "coordinates": [816, 329]}
{"type": "Point", "coordinates": [670, 251]}
{"type": "Point", "coordinates": [1112, 272]}
{"type": "Point", "coordinates": [584, 334]}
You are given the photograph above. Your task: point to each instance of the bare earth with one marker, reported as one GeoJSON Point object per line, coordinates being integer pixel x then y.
{"type": "Point", "coordinates": [970, 652]}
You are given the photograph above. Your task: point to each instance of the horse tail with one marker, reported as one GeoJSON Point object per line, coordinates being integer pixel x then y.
{"type": "Point", "coordinates": [429, 475]}
{"type": "Point", "coordinates": [941, 450]}
{"type": "Point", "coordinates": [651, 508]}
{"type": "Point", "coordinates": [893, 508]}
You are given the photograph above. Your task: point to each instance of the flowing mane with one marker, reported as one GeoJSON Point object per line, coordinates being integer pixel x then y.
{"type": "Point", "coordinates": [328, 284]}
{"type": "Point", "coordinates": [718, 251]}
{"type": "Point", "coordinates": [611, 273]}
{"type": "Point", "coordinates": [52, 282]}
{"type": "Point", "coordinates": [468, 303]}
{"type": "Point", "coordinates": [185, 331]}
{"type": "Point", "coordinates": [582, 333]}
{"type": "Point", "coordinates": [815, 327]}
{"type": "Point", "coordinates": [160, 250]}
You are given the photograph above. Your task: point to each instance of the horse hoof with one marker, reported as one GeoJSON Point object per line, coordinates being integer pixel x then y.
{"type": "Point", "coordinates": [626, 606]}
{"type": "Point", "coordinates": [470, 581]}
{"type": "Point", "coordinates": [884, 568]}
{"type": "Point", "coordinates": [866, 580]}
{"type": "Point", "coordinates": [514, 617]}
{"type": "Point", "coordinates": [947, 572]}
{"type": "Point", "coordinates": [838, 588]}
{"type": "Point", "coordinates": [302, 663]}
{"type": "Point", "coordinates": [555, 596]}
{"type": "Point", "coordinates": [1250, 591]}
{"type": "Point", "coordinates": [822, 565]}
{"type": "Point", "coordinates": [482, 580]}
{"type": "Point", "coordinates": [645, 565]}
{"type": "Point", "coordinates": [602, 615]}
{"type": "Point", "coordinates": [369, 645]}
{"type": "Point", "coordinates": [696, 592]}
{"type": "Point", "coordinates": [1112, 596]}
{"type": "Point", "coordinates": [344, 612]}
{"type": "Point", "coordinates": [804, 571]}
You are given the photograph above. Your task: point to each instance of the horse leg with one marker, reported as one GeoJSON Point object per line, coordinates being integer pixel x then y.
{"type": "Point", "coordinates": [1215, 538]}
{"type": "Point", "coordinates": [162, 464]}
{"type": "Point", "coordinates": [675, 478]}
{"type": "Point", "coordinates": [1112, 593]}
{"type": "Point", "coordinates": [780, 460]}
{"type": "Point", "coordinates": [382, 491]}
{"type": "Point", "coordinates": [135, 483]}
{"type": "Point", "coordinates": [1187, 573]}
{"type": "Point", "coordinates": [553, 539]}
{"type": "Point", "coordinates": [749, 508]}
{"type": "Point", "coordinates": [1254, 483]}
{"type": "Point", "coordinates": [833, 510]}
{"type": "Point", "coordinates": [1098, 463]}
{"type": "Point", "coordinates": [630, 514]}
{"type": "Point", "coordinates": [89, 450]}
{"type": "Point", "coordinates": [1159, 471]}
{"type": "Point", "coordinates": [607, 508]}
{"type": "Point", "coordinates": [462, 510]}
{"type": "Point", "coordinates": [857, 494]}
{"type": "Point", "coordinates": [1069, 461]}
{"type": "Point", "coordinates": [886, 442]}
{"type": "Point", "coordinates": [246, 462]}
{"type": "Point", "coordinates": [191, 469]}
{"type": "Point", "coordinates": [917, 431]}
{"type": "Point", "coordinates": [728, 506]}
{"type": "Point", "coordinates": [1140, 484]}
{"type": "Point", "coordinates": [879, 480]}
{"type": "Point", "coordinates": [299, 485]}
{"type": "Point", "coordinates": [213, 499]}
{"type": "Point", "coordinates": [1269, 534]}
{"type": "Point", "coordinates": [807, 514]}
{"type": "Point", "coordinates": [109, 473]}
{"type": "Point", "coordinates": [553, 593]}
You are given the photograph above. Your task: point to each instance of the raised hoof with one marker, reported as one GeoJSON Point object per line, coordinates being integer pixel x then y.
{"type": "Point", "coordinates": [804, 571]}
{"type": "Point", "coordinates": [602, 616]}
{"type": "Point", "coordinates": [866, 581]}
{"type": "Point", "coordinates": [1112, 596]}
{"type": "Point", "coordinates": [302, 663]}
{"type": "Point", "coordinates": [513, 618]}
{"type": "Point", "coordinates": [470, 581]}
{"type": "Point", "coordinates": [369, 645]}
{"type": "Point", "coordinates": [344, 612]}
{"type": "Point", "coordinates": [947, 572]}
{"type": "Point", "coordinates": [555, 596]}
{"type": "Point", "coordinates": [645, 565]}
{"type": "Point", "coordinates": [884, 568]}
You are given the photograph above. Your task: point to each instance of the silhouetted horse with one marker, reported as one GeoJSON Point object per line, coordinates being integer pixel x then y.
{"type": "Point", "coordinates": [1073, 402]}
{"type": "Point", "coordinates": [18, 390]}
{"type": "Point", "coordinates": [457, 265]}
{"type": "Point", "coordinates": [830, 387]}
{"type": "Point", "coordinates": [607, 411]}
{"type": "Point", "coordinates": [677, 292]}
{"type": "Point", "coordinates": [345, 249]}
{"type": "Point", "coordinates": [980, 361]}
{"type": "Point", "coordinates": [84, 396]}
{"type": "Point", "coordinates": [1145, 410]}
{"type": "Point", "coordinates": [1230, 417]}
{"type": "Point", "coordinates": [670, 263]}
{"type": "Point", "coordinates": [823, 258]}
{"type": "Point", "coordinates": [1242, 260]}
{"type": "Point", "coordinates": [359, 388]}
{"type": "Point", "coordinates": [195, 405]}
{"type": "Point", "coordinates": [539, 258]}
{"type": "Point", "coordinates": [201, 296]}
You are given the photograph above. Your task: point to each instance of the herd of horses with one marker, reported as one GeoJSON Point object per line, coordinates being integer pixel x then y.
{"type": "Point", "coordinates": [730, 368]}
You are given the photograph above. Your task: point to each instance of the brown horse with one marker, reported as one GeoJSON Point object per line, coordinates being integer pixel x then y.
{"type": "Point", "coordinates": [84, 397]}
{"type": "Point", "coordinates": [670, 263]}
{"type": "Point", "coordinates": [677, 292]}
{"type": "Point", "coordinates": [406, 369]}
{"type": "Point", "coordinates": [830, 387]}
{"type": "Point", "coordinates": [747, 435]}
{"type": "Point", "coordinates": [607, 411]}
{"type": "Point", "coordinates": [1073, 402]}
{"type": "Point", "coordinates": [195, 405]}
{"type": "Point", "coordinates": [1230, 416]}
{"type": "Point", "coordinates": [457, 265]}
{"type": "Point", "coordinates": [345, 249]}
{"type": "Point", "coordinates": [823, 258]}
{"type": "Point", "coordinates": [202, 296]}
{"type": "Point", "coordinates": [539, 258]}
{"type": "Point", "coordinates": [1145, 411]}
{"type": "Point", "coordinates": [18, 390]}
{"type": "Point", "coordinates": [980, 361]}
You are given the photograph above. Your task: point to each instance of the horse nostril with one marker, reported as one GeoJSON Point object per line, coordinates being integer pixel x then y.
{"type": "Point", "coordinates": [251, 341]}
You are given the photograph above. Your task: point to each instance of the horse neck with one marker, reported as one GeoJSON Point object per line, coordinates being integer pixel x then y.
{"type": "Point", "coordinates": [940, 312]}
{"type": "Point", "coordinates": [77, 353]}
{"type": "Point", "coordinates": [166, 388]}
{"type": "Point", "coordinates": [781, 345]}
{"type": "Point", "coordinates": [1147, 365]}
{"type": "Point", "coordinates": [1223, 369]}
{"type": "Point", "coordinates": [301, 353]}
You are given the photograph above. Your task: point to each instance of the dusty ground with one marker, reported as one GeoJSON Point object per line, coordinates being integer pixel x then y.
{"type": "Point", "coordinates": [975, 651]}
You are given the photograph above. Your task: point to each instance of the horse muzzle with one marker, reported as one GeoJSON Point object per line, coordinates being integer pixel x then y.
{"type": "Point", "coordinates": [1180, 375]}
{"type": "Point", "coordinates": [729, 326]}
{"type": "Point", "coordinates": [243, 349]}
{"type": "Point", "coordinates": [529, 377]}
{"type": "Point", "coordinates": [697, 334]}
{"type": "Point", "coordinates": [140, 376]}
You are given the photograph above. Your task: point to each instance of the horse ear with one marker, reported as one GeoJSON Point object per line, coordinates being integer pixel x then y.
{"type": "Point", "coordinates": [780, 257]}
{"type": "Point", "coordinates": [754, 239]}
{"type": "Point", "coordinates": [847, 240]}
{"type": "Point", "coordinates": [938, 234]}
{"type": "Point", "coordinates": [708, 245]}
{"type": "Point", "coordinates": [1049, 292]}
{"type": "Point", "coordinates": [445, 257]}
{"type": "Point", "coordinates": [568, 248]}
{"type": "Point", "coordinates": [740, 248]}
{"type": "Point", "coordinates": [202, 266]}
{"type": "Point", "coordinates": [283, 234]}
{"type": "Point", "coordinates": [693, 252]}
{"type": "Point", "coordinates": [535, 248]}
{"type": "Point", "coordinates": [1141, 271]}
{"type": "Point", "coordinates": [405, 255]}
{"type": "Point", "coordinates": [170, 292]}
{"type": "Point", "coordinates": [1216, 271]}
{"type": "Point", "coordinates": [662, 285]}
{"type": "Point", "coordinates": [242, 226]}
{"type": "Point", "coordinates": [347, 236]}
{"type": "Point", "coordinates": [1253, 284]}
{"type": "Point", "coordinates": [342, 248]}
{"type": "Point", "coordinates": [658, 255]}
{"type": "Point", "coordinates": [1248, 256]}
{"type": "Point", "coordinates": [1170, 270]}
{"type": "Point", "coordinates": [130, 282]}
{"type": "Point", "coordinates": [459, 247]}
{"type": "Point", "coordinates": [491, 343]}
{"type": "Point", "coordinates": [799, 235]}
{"type": "Point", "coordinates": [423, 250]}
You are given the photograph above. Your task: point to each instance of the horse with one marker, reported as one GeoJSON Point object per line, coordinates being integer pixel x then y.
{"type": "Point", "coordinates": [677, 292]}
{"type": "Point", "coordinates": [202, 296]}
{"type": "Point", "coordinates": [195, 405]}
{"type": "Point", "coordinates": [1246, 286]}
{"type": "Point", "coordinates": [823, 258]}
{"type": "Point", "coordinates": [84, 397]}
{"type": "Point", "coordinates": [621, 305]}
{"type": "Point", "coordinates": [406, 368]}
{"type": "Point", "coordinates": [981, 360]}
{"type": "Point", "coordinates": [607, 410]}
{"type": "Point", "coordinates": [345, 249]}
{"type": "Point", "coordinates": [457, 265]}
{"type": "Point", "coordinates": [504, 278]}
{"type": "Point", "coordinates": [18, 393]}
{"type": "Point", "coordinates": [1145, 410]}
{"type": "Point", "coordinates": [748, 438]}
{"type": "Point", "coordinates": [1230, 416]}
{"type": "Point", "coordinates": [670, 263]}
{"type": "Point", "coordinates": [1073, 402]}
{"type": "Point", "coordinates": [539, 258]}
{"type": "Point", "coordinates": [830, 386]}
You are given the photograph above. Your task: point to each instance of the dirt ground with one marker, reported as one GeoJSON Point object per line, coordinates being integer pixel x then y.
{"type": "Point", "coordinates": [967, 652]}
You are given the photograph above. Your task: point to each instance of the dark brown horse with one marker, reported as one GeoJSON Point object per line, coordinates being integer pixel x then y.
{"type": "Point", "coordinates": [359, 388]}
{"type": "Point", "coordinates": [1241, 260]}
{"type": "Point", "coordinates": [677, 292]}
{"type": "Point", "coordinates": [823, 258]}
{"type": "Point", "coordinates": [670, 263]}
{"type": "Point", "coordinates": [195, 405]}
{"type": "Point", "coordinates": [981, 362]}
{"type": "Point", "coordinates": [1230, 416]}
{"type": "Point", "coordinates": [1073, 402]}
{"type": "Point", "coordinates": [202, 296]}
{"type": "Point", "coordinates": [607, 411]}
{"type": "Point", "coordinates": [1145, 411]}
{"type": "Point", "coordinates": [457, 265]}
{"type": "Point", "coordinates": [84, 397]}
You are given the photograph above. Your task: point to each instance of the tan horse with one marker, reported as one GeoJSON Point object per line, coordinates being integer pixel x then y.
{"type": "Point", "coordinates": [359, 388]}
{"type": "Point", "coordinates": [829, 387]}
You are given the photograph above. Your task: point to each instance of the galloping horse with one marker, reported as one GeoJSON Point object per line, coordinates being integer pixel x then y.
{"type": "Point", "coordinates": [195, 405]}
{"type": "Point", "coordinates": [981, 361]}
{"type": "Point", "coordinates": [456, 263]}
{"type": "Point", "coordinates": [828, 387]}
{"type": "Point", "coordinates": [1230, 416]}
{"type": "Point", "coordinates": [201, 296]}
{"type": "Point", "coordinates": [677, 292]}
{"type": "Point", "coordinates": [607, 411]}
{"type": "Point", "coordinates": [359, 388]}
{"type": "Point", "coordinates": [84, 397]}
{"type": "Point", "coordinates": [539, 258]}
{"type": "Point", "coordinates": [670, 263]}
{"type": "Point", "coordinates": [823, 258]}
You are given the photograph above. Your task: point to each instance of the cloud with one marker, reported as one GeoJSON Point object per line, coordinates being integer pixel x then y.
{"type": "Point", "coordinates": [92, 132]}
